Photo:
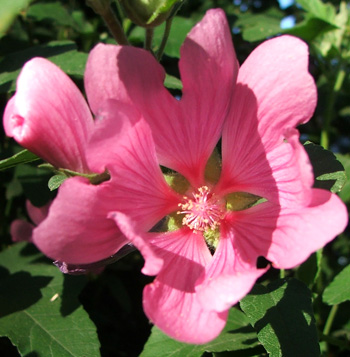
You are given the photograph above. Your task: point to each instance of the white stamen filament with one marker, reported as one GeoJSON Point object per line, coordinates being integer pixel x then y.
{"type": "Point", "coordinates": [203, 212]}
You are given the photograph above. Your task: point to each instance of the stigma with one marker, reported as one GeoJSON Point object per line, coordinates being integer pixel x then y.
{"type": "Point", "coordinates": [203, 212]}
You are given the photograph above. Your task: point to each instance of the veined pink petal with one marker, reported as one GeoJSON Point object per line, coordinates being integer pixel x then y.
{"type": "Point", "coordinates": [153, 264]}
{"type": "Point", "coordinates": [302, 232]}
{"type": "Point", "coordinates": [227, 279]}
{"type": "Point", "coordinates": [49, 116]}
{"type": "Point", "coordinates": [185, 131]}
{"type": "Point", "coordinates": [77, 230]}
{"type": "Point", "coordinates": [277, 73]}
{"type": "Point", "coordinates": [123, 144]}
{"type": "Point", "coordinates": [261, 153]}
{"type": "Point", "coordinates": [252, 231]}
{"type": "Point", "coordinates": [287, 236]}
{"type": "Point", "coordinates": [170, 301]}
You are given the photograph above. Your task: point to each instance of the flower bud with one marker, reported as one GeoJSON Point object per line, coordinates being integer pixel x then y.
{"type": "Point", "coordinates": [148, 13]}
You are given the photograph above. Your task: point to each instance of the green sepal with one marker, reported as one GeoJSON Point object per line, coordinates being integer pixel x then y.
{"type": "Point", "coordinates": [172, 82]}
{"type": "Point", "coordinates": [213, 168]}
{"type": "Point", "coordinates": [238, 201]}
{"type": "Point", "coordinates": [177, 182]}
{"type": "Point", "coordinates": [148, 13]}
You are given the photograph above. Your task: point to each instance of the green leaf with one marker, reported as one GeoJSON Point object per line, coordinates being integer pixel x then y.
{"type": "Point", "coordinates": [62, 53]}
{"type": "Point", "coordinates": [39, 307]}
{"type": "Point", "coordinates": [309, 270]}
{"type": "Point", "coordinates": [282, 315]}
{"type": "Point", "coordinates": [333, 39]}
{"type": "Point", "coordinates": [34, 183]}
{"type": "Point", "coordinates": [319, 23]}
{"type": "Point", "coordinates": [52, 11]}
{"type": "Point", "coordinates": [345, 192]}
{"type": "Point", "coordinates": [339, 289]}
{"type": "Point", "coordinates": [317, 8]}
{"type": "Point", "coordinates": [172, 82]}
{"type": "Point", "coordinates": [56, 181]}
{"type": "Point", "coordinates": [256, 27]}
{"type": "Point", "coordinates": [328, 171]}
{"type": "Point", "coordinates": [237, 335]}
{"type": "Point", "coordinates": [22, 157]}
{"type": "Point", "coordinates": [179, 29]}
{"type": "Point", "coordinates": [310, 28]}
{"type": "Point", "coordinates": [9, 10]}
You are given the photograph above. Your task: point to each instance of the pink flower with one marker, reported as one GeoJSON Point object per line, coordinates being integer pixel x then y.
{"type": "Point", "coordinates": [256, 115]}
{"type": "Point", "coordinates": [255, 110]}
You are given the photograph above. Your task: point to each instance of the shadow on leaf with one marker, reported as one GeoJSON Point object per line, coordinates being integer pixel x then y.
{"type": "Point", "coordinates": [19, 291]}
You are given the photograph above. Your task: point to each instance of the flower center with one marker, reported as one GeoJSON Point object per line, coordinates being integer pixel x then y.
{"type": "Point", "coordinates": [203, 212]}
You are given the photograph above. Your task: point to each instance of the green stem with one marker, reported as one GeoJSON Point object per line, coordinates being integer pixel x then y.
{"type": "Point", "coordinates": [330, 319]}
{"type": "Point", "coordinates": [165, 38]}
{"type": "Point", "coordinates": [104, 9]}
{"type": "Point", "coordinates": [149, 38]}
{"type": "Point", "coordinates": [330, 108]}
{"type": "Point", "coordinates": [335, 341]}
{"type": "Point", "coordinates": [282, 273]}
{"type": "Point", "coordinates": [94, 178]}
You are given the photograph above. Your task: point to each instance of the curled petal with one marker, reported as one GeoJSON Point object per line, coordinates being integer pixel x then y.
{"type": "Point", "coordinates": [153, 264]}
{"type": "Point", "coordinates": [302, 232]}
{"type": "Point", "coordinates": [170, 301]}
{"type": "Point", "coordinates": [123, 145]}
{"type": "Point", "coordinates": [77, 229]}
{"type": "Point", "coordinates": [287, 236]}
{"type": "Point", "coordinates": [49, 116]}
{"type": "Point", "coordinates": [227, 279]}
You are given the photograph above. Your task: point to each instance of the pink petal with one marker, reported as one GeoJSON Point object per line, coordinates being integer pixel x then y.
{"type": "Point", "coordinates": [77, 230]}
{"type": "Point", "coordinates": [287, 236]}
{"type": "Point", "coordinates": [123, 145]}
{"type": "Point", "coordinates": [302, 232]}
{"type": "Point", "coordinates": [21, 230]}
{"type": "Point", "coordinates": [49, 116]}
{"type": "Point", "coordinates": [37, 214]}
{"type": "Point", "coordinates": [102, 80]}
{"type": "Point", "coordinates": [227, 279]}
{"type": "Point", "coordinates": [261, 153]}
{"type": "Point", "coordinates": [153, 264]}
{"type": "Point", "coordinates": [170, 301]}
{"type": "Point", "coordinates": [252, 231]}
{"type": "Point", "coordinates": [185, 131]}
